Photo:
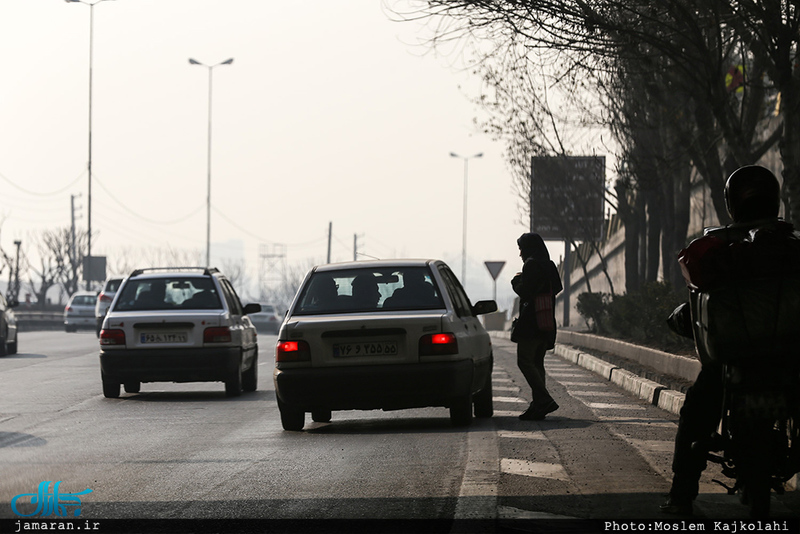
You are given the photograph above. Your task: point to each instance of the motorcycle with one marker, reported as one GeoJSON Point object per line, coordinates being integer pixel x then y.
{"type": "Point", "coordinates": [749, 332]}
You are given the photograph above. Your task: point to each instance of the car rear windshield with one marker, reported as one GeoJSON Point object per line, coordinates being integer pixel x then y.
{"type": "Point", "coordinates": [84, 300]}
{"type": "Point", "coordinates": [112, 285]}
{"type": "Point", "coordinates": [169, 293]}
{"type": "Point", "coordinates": [369, 290]}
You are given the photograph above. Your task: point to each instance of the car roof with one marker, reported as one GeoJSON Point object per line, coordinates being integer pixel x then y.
{"type": "Point", "coordinates": [374, 264]}
{"type": "Point", "coordinates": [160, 272]}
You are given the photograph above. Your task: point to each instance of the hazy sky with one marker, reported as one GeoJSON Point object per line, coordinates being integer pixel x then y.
{"type": "Point", "coordinates": [329, 113]}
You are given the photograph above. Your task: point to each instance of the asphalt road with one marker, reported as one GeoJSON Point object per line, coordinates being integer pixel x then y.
{"type": "Point", "coordinates": [186, 451]}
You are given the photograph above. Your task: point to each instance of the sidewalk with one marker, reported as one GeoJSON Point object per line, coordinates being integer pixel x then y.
{"type": "Point", "coordinates": [573, 346]}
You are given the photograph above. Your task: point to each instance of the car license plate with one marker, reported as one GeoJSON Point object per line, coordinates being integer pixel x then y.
{"type": "Point", "coordinates": [163, 337]}
{"type": "Point", "coordinates": [372, 348]}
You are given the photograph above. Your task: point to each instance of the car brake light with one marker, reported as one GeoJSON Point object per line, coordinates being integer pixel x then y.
{"type": "Point", "coordinates": [292, 351]}
{"type": "Point", "coordinates": [104, 298]}
{"type": "Point", "coordinates": [112, 337]}
{"type": "Point", "coordinates": [217, 334]}
{"type": "Point", "coordinates": [438, 344]}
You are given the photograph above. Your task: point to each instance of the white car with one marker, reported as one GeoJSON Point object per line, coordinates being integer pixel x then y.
{"type": "Point", "coordinates": [267, 320]}
{"type": "Point", "coordinates": [79, 311]}
{"type": "Point", "coordinates": [389, 334]}
{"type": "Point", "coordinates": [178, 325]}
{"type": "Point", "coordinates": [104, 300]}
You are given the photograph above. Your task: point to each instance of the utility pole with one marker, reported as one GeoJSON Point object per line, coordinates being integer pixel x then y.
{"type": "Point", "coordinates": [330, 236]}
{"type": "Point", "coordinates": [16, 272]}
{"type": "Point", "coordinates": [355, 247]}
{"type": "Point", "coordinates": [72, 228]}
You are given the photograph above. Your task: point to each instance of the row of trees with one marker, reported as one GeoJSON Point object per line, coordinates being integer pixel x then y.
{"type": "Point", "coordinates": [689, 89]}
{"type": "Point", "coordinates": [52, 261]}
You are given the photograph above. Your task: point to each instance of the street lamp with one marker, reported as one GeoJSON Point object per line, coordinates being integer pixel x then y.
{"type": "Point", "coordinates": [208, 198]}
{"type": "Point", "coordinates": [89, 165]}
{"type": "Point", "coordinates": [464, 223]}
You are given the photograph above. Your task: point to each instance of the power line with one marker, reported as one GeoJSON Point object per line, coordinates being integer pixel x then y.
{"type": "Point", "coordinates": [40, 194]}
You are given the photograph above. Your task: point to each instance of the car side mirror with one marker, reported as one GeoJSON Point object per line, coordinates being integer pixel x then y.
{"type": "Point", "coordinates": [252, 308]}
{"type": "Point", "coordinates": [484, 306]}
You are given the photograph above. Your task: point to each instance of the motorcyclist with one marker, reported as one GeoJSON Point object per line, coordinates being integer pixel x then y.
{"type": "Point", "coordinates": [751, 246]}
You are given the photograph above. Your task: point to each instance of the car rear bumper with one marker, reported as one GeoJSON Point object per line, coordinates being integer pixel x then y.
{"type": "Point", "coordinates": [371, 387]}
{"type": "Point", "coordinates": [171, 365]}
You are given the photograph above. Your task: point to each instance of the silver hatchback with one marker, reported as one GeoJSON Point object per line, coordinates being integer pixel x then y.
{"type": "Point", "coordinates": [383, 335]}
{"type": "Point", "coordinates": [178, 325]}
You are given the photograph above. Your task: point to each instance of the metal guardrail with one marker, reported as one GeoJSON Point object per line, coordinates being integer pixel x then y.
{"type": "Point", "coordinates": [39, 320]}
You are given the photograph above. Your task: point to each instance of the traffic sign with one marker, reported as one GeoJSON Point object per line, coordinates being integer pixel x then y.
{"type": "Point", "coordinates": [494, 268]}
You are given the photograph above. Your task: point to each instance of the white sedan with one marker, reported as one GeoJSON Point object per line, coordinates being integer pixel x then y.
{"type": "Point", "coordinates": [389, 334]}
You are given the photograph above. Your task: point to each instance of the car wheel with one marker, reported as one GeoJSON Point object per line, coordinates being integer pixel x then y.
{"type": "Point", "coordinates": [3, 347]}
{"type": "Point", "coordinates": [461, 411]}
{"type": "Point", "coordinates": [292, 419]}
{"type": "Point", "coordinates": [233, 386]}
{"type": "Point", "coordinates": [250, 377]}
{"type": "Point", "coordinates": [110, 388]}
{"type": "Point", "coordinates": [133, 387]}
{"type": "Point", "coordinates": [321, 416]}
{"type": "Point", "coordinates": [12, 347]}
{"type": "Point", "coordinates": [484, 405]}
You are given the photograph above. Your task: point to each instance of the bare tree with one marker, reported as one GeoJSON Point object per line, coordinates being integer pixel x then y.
{"type": "Point", "coordinates": [45, 271]}
{"type": "Point", "coordinates": [688, 45]}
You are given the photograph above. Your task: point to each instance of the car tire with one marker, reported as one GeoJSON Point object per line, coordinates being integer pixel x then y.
{"type": "Point", "coordinates": [12, 347]}
{"type": "Point", "coordinates": [233, 386]}
{"type": "Point", "coordinates": [133, 387]}
{"type": "Point", "coordinates": [292, 419]}
{"type": "Point", "coordinates": [250, 377]}
{"type": "Point", "coordinates": [484, 405]}
{"type": "Point", "coordinates": [461, 411]}
{"type": "Point", "coordinates": [321, 416]}
{"type": "Point", "coordinates": [110, 388]}
{"type": "Point", "coordinates": [3, 347]}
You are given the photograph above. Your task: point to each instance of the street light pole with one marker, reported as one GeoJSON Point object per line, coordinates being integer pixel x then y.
{"type": "Point", "coordinates": [89, 165]}
{"type": "Point", "coordinates": [208, 196]}
{"type": "Point", "coordinates": [464, 222]}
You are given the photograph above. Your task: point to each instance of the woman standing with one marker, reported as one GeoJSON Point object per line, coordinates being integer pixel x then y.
{"type": "Point", "coordinates": [535, 329]}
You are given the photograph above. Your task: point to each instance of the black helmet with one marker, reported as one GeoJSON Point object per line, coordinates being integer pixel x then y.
{"type": "Point", "coordinates": [752, 193]}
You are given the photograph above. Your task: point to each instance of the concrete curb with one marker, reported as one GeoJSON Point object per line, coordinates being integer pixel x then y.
{"type": "Point", "coordinates": [663, 362]}
{"type": "Point", "coordinates": [648, 390]}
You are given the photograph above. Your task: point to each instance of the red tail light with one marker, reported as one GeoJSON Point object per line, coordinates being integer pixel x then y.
{"type": "Point", "coordinates": [112, 337]}
{"type": "Point", "coordinates": [292, 351]}
{"type": "Point", "coordinates": [217, 334]}
{"type": "Point", "coordinates": [105, 298]}
{"type": "Point", "coordinates": [438, 344]}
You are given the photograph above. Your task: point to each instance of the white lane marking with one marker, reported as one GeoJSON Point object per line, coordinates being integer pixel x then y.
{"type": "Point", "coordinates": [477, 498]}
{"type": "Point", "coordinates": [503, 380]}
{"type": "Point", "coordinates": [659, 423]}
{"type": "Point", "coordinates": [583, 393]}
{"type": "Point", "coordinates": [609, 406]}
{"type": "Point", "coordinates": [653, 445]}
{"type": "Point", "coordinates": [506, 388]}
{"type": "Point", "coordinates": [506, 413]}
{"type": "Point", "coordinates": [518, 434]}
{"type": "Point", "coordinates": [510, 399]}
{"type": "Point", "coordinates": [509, 512]}
{"type": "Point", "coordinates": [533, 469]}
{"type": "Point", "coordinates": [584, 383]}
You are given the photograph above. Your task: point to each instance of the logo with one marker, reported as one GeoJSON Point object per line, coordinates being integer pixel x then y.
{"type": "Point", "coordinates": [50, 503]}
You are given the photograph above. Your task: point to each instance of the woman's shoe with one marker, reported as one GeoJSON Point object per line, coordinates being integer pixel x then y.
{"type": "Point", "coordinates": [537, 414]}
